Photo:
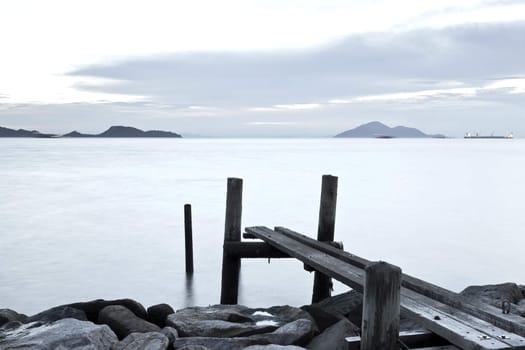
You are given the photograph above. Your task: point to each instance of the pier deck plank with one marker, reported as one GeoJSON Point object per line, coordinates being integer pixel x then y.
{"type": "Point", "coordinates": [462, 331]}
{"type": "Point", "coordinates": [509, 322]}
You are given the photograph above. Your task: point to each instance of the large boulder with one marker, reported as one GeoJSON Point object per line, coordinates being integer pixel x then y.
{"type": "Point", "coordinates": [333, 338]}
{"type": "Point", "coordinates": [8, 315]}
{"type": "Point", "coordinates": [143, 341]}
{"type": "Point", "coordinates": [220, 321]}
{"type": "Point", "coordinates": [208, 343]}
{"type": "Point", "coordinates": [58, 313]}
{"type": "Point", "coordinates": [348, 304]}
{"type": "Point", "coordinates": [494, 294]}
{"type": "Point", "coordinates": [322, 317]}
{"type": "Point", "coordinates": [157, 314]}
{"type": "Point", "coordinates": [124, 322]}
{"type": "Point", "coordinates": [67, 333]}
{"type": "Point", "coordinates": [274, 347]}
{"type": "Point", "coordinates": [298, 332]}
{"type": "Point", "coordinates": [92, 308]}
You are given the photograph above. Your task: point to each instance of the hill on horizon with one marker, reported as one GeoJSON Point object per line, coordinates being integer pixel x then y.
{"type": "Point", "coordinates": [114, 131]}
{"type": "Point", "coordinates": [378, 130]}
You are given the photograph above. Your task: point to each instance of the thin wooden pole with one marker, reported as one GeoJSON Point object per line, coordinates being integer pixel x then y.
{"type": "Point", "coordinates": [232, 233]}
{"type": "Point", "coordinates": [380, 323]}
{"type": "Point", "coordinates": [188, 234]}
{"type": "Point", "coordinates": [325, 232]}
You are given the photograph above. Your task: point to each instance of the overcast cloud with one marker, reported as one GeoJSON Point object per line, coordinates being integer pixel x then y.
{"type": "Point", "coordinates": [447, 80]}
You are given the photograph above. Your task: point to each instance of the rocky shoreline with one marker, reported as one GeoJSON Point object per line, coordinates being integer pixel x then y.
{"type": "Point", "coordinates": [125, 324]}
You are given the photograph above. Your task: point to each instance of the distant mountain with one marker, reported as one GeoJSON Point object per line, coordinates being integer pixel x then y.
{"type": "Point", "coordinates": [6, 132]}
{"type": "Point", "coordinates": [380, 130]}
{"type": "Point", "coordinates": [125, 131]}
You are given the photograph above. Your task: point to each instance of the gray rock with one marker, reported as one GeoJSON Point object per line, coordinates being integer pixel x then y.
{"type": "Point", "coordinates": [333, 338]}
{"type": "Point", "coordinates": [494, 294]}
{"type": "Point", "coordinates": [198, 343]}
{"type": "Point", "coordinates": [322, 317]}
{"type": "Point", "coordinates": [298, 332]}
{"type": "Point", "coordinates": [157, 314]}
{"type": "Point", "coordinates": [171, 333]}
{"type": "Point", "coordinates": [217, 321]}
{"type": "Point", "coordinates": [193, 347]}
{"type": "Point", "coordinates": [10, 325]}
{"type": "Point", "coordinates": [124, 322]}
{"type": "Point", "coordinates": [92, 308]}
{"type": "Point", "coordinates": [58, 313]}
{"type": "Point", "coordinates": [143, 341]}
{"type": "Point", "coordinates": [522, 288]}
{"type": "Point", "coordinates": [67, 333]}
{"type": "Point", "coordinates": [348, 304]}
{"type": "Point", "coordinates": [8, 315]}
{"type": "Point", "coordinates": [275, 347]}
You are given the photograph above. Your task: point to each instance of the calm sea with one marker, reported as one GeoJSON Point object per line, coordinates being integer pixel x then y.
{"type": "Point", "coordinates": [103, 218]}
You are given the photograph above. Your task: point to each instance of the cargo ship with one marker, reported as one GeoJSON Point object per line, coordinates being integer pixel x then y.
{"type": "Point", "coordinates": [468, 135]}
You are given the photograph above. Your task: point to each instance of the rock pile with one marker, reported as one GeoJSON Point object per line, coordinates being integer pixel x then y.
{"type": "Point", "coordinates": [126, 325]}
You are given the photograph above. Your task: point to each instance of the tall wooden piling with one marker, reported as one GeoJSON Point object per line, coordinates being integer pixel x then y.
{"type": "Point", "coordinates": [232, 233]}
{"type": "Point", "coordinates": [325, 232]}
{"type": "Point", "coordinates": [381, 309]}
{"type": "Point", "coordinates": [188, 238]}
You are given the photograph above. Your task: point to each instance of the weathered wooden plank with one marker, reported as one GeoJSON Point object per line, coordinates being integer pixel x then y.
{"type": "Point", "coordinates": [509, 322]}
{"type": "Point", "coordinates": [325, 232]}
{"type": "Point", "coordinates": [348, 274]}
{"type": "Point", "coordinates": [411, 339]}
{"type": "Point", "coordinates": [380, 325]}
{"type": "Point", "coordinates": [444, 325]}
{"type": "Point", "coordinates": [253, 250]}
{"type": "Point", "coordinates": [232, 233]}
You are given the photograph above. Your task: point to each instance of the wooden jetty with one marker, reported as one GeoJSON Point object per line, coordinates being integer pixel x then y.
{"type": "Point", "coordinates": [458, 322]}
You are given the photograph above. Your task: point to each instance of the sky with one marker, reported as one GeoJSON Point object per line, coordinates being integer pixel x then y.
{"type": "Point", "coordinates": [248, 68]}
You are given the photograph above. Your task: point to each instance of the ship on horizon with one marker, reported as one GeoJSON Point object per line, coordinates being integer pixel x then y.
{"type": "Point", "coordinates": [469, 135]}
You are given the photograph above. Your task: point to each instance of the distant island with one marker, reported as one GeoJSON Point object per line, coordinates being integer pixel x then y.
{"type": "Point", "coordinates": [380, 130]}
{"type": "Point", "coordinates": [114, 131]}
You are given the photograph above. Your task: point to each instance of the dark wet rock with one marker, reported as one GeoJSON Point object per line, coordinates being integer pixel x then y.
{"type": "Point", "coordinates": [333, 338]}
{"type": "Point", "coordinates": [92, 308]}
{"type": "Point", "coordinates": [200, 343]}
{"type": "Point", "coordinates": [219, 321]}
{"type": "Point", "coordinates": [67, 333]}
{"type": "Point", "coordinates": [323, 318]}
{"type": "Point", "coordinates": [348, 304]}
{"type": "Point", "coordinates": [298, 332]}
{"type": "Point", "coordinates": [275, 347]}
{"type": "Point", "coordinates": [522, 288]}
{"type": "Point", "coordinates": [124, 322]}
{"type": "Point", "coordinates": [494, 294]}
{"type": "Point", "coordinates": [281, 314]}
{"type": "Point", "coordinates": [10, 325]}
{"type": "Point", "coordinates": [143, 341]}
{"type": "Point", "coordinates": [8, 315]}
{"type": "Point", "coordinates": [171, 333]}
{"type": "Point", "coordinates": [157, 314]}
{"type": "Point", "coordinates": [58, 313]}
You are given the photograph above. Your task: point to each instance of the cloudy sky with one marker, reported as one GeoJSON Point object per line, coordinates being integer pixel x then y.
{"type": "Point", "coordinates": [263, 68]}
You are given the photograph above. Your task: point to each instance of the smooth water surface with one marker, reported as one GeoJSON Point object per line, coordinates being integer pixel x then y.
{"type": "Point", "coordinates": [103, 218]}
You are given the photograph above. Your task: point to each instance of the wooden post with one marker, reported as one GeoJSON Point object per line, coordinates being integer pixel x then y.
{"type": "Point", "coordinates": [325, 232]}
{"type": "Point", "coordinates": [188, 234]}
{"type": "Point", "coordinates": [380, 325]}
{"type": "Point", "coordinates": [232, 233]}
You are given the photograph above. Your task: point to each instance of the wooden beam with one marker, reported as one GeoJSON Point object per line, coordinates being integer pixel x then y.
{"type": "Point", "coordinates": [252, 250]}
{"type": "Point", "coordinates": [440, 322]}
{"type": "Point", "coordinates": [411, 339]}
{"type": "Point", "coordinates": [509, 322]}
{"type": "Point", "coordinates": [232, 233]}
{"type": "Point", "coordinates": [380, 325]}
